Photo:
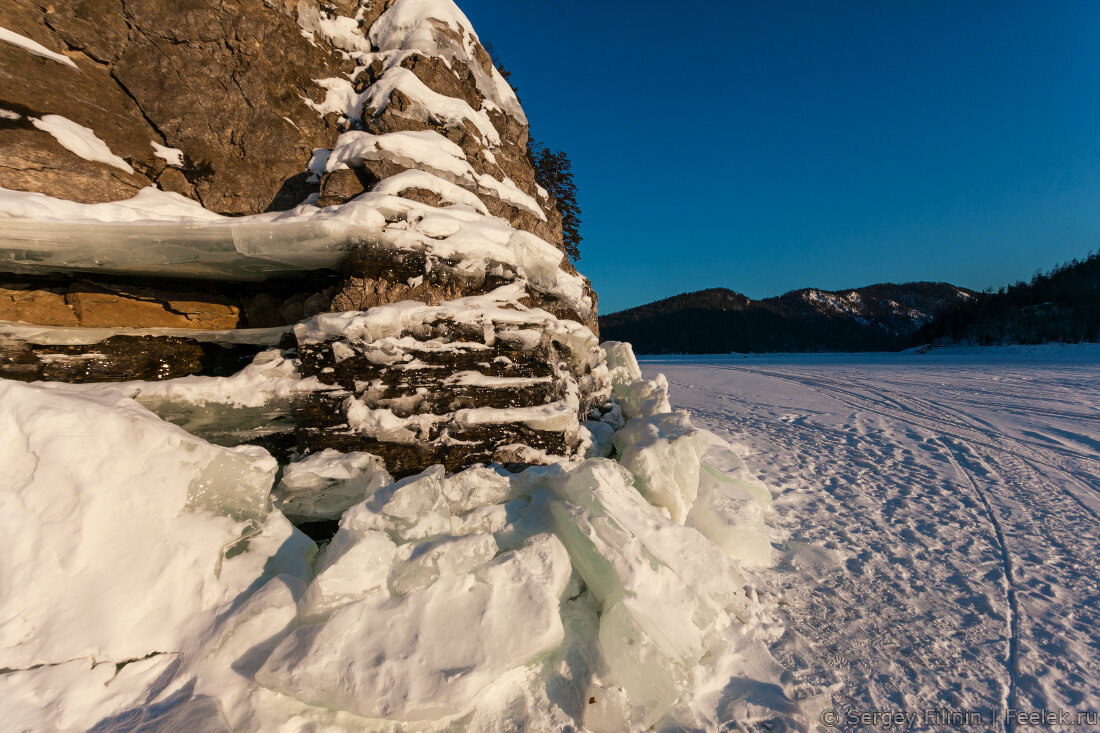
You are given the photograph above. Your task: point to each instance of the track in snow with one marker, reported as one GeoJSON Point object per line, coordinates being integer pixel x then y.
{"type": "Point", "coordinates": [940, 520]}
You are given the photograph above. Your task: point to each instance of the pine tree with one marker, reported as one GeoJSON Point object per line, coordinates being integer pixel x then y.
{"type": "Point", "coordinates": [554, 172]}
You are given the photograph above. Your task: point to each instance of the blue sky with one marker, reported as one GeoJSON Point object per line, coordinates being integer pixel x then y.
{"type": "Point", "coordinates": [771, 145]}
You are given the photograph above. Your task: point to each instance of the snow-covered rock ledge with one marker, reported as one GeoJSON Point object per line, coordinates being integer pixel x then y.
{"type": "Point", "coordinates": [151, 583]}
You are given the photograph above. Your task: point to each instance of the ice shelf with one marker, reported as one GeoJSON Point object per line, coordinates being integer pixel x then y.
{"type": "Point", "coordinates": [229, 250]}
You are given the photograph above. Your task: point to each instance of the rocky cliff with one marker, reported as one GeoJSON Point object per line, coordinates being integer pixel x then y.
{"type": "Point", "coordinates": [186, 185]}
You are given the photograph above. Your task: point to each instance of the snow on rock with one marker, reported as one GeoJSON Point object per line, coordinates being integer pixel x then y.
{"type": "Point", "coordinates": [448, 192]}
{"type": "Point", "coordinates": [499, 307]}
{"type": "Point", "coordinates": [79, 140]}
{"type": "Point", "coordinates": [270, 376]}
{"type": "Point", "coordinates": [427, 151]}
{"type": "Point", "coordinates": [34, 47]}
{"type": "Point", "coordinates": [558, 374]}
{"type": "Point", "coordinates": [439, 28]}
{"type": "Point", "coordinates": [558, 416]}
{"type": "Point", "coordinates": [148, 205]}
{"type": "Point", "coordinates": [422, 149]}
{"type": "Point", "coordinates": [340, 31]}
{"type": "Point", "coordinates": [428, 105]}
{"type": "Point", "coordinates": [171, 156]}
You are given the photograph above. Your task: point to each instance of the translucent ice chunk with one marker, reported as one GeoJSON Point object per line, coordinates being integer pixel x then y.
{"type": "Point", "coordinates": [235, 483]}
{"type": "Point", "coordinates": [600, 434]}
{"type": "Point", "coordinates": [663, 453]}
{"type": "Point", "coordinates": [245, 250]}
{"type": "Point", "coordinates": [643, 399]}
{"type": "Point", "coordinates": [326, 484]}
{"type": "Point", "coordinates": [621, 363]}
{"type": "Point", "coordinates": [730, 509]}
{"type": "Point", "coordinates": [664, 589]}
{"type": "Point", "coordinates": [427, 654]}
{"type": "Point", "coordinates": [608, 709]}
{"type": "Point", "coordinates": [124, 534]}
{"type": "Point", "coordinates": [649, 659]}
{"type": "Point", "coordinates": [423, 564]}
{"type": "Point", "coordinates": [477, 487]}
{"type": "Point", "coordinates": [411, 509]}
{"type": "Point", "coordinates": [354, 565]}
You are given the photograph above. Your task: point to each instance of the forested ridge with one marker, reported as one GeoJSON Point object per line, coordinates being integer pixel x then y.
{"type": "Point", "coordinates": [1062, 305]}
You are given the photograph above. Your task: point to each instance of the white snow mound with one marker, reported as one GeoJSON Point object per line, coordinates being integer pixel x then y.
{"type": "Point", "coordinates": [149, 584]}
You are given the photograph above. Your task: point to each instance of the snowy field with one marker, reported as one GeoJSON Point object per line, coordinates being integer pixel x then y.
{"type": "Point", "coordinates": [938, 518]}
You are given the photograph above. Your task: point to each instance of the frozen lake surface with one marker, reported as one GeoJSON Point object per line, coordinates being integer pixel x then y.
{"type": "Point", "coordinates": [938, 520]}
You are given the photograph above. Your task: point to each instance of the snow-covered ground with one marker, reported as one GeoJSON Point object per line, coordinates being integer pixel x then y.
{"type": "Point", "coordinates": [938, 518]}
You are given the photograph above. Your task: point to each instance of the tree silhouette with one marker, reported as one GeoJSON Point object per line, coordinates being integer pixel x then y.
{"type": "Point", "coordinates": [1062, 305]}
{"type": "Point", "coordinates": [554, 172]}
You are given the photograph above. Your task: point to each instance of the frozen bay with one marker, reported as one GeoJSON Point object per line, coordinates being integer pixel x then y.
{"type": "Point", "coordinates": [940, 515]}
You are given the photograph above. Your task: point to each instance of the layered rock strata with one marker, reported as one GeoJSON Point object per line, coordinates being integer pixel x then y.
{"type": "Point", "coordinates": [184, 186]}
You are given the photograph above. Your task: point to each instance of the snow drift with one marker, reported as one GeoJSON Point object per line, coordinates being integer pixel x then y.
{"type": "Point", "coordinates": [150, 582]}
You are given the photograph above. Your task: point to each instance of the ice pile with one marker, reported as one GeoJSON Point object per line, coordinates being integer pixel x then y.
{"type": "Point", "coordinates": [150, 583]}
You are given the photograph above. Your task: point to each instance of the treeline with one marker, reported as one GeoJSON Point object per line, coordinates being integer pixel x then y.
{"type": "Point", "coordinates": [704, 331]}
{"type": "Point", "coordinates": [721, 321]}
{"type": "Point", "coordinates": [1062, 305]}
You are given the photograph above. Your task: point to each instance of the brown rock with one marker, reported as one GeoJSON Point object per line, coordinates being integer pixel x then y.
{"type": "Point", "coordinates": [224, 82]}
{"type": "Point", "coordinates": [42, 307]}
{"type": "Point", "coordinates": [97, 308]}
{"type": "Point", "coordinates": [345, 184]}
{"type": "Point", "coordinates": [31, 160]}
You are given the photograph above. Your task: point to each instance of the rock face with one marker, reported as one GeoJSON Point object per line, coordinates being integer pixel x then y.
{"type": "Point", "coordinates": [221, 81]}
{"type": "Point", "coordinates": [186, 184]}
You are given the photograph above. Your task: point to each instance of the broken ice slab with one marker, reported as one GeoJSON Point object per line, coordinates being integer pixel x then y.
{"type": "Point", "coordinates": [427, 654]}
{"type": "Point", "coordinates": [231, 250]}
{"type": "Point", "coordinates": [224, 424]}
{"type": "Point", "coordinates": [326, 484]}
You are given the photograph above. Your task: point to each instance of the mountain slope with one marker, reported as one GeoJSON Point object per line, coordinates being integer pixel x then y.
{"type": "Point", "coordinates": [874, 318]}
{"type": "Point", "coordinates": [1062, 305]}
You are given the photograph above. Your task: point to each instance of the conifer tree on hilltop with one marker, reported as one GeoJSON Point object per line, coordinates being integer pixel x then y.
{"type": "Point", "coordinates": [554, 172]}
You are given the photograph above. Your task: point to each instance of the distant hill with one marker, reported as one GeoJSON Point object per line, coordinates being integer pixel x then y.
{"type": "Point", "coordinates": [875, 318]}
{"type": "Point", "coordinates": [1060, 305]}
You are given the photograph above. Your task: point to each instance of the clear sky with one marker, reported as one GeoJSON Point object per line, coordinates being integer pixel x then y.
{"type": "Point", "coordinates": [770, 145]}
